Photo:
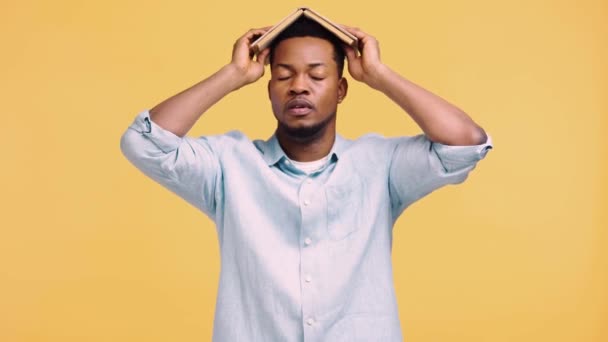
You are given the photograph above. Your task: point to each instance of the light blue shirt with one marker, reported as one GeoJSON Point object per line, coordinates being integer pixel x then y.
{"type": "Point", "coordinates": [303, 257]}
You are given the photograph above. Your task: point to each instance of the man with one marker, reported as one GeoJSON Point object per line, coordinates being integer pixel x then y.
{"type": "Point", "coordinates": [305, 219]}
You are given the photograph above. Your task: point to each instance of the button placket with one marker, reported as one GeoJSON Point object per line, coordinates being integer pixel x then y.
{"type": "Point", "coordinates": [310, 211]}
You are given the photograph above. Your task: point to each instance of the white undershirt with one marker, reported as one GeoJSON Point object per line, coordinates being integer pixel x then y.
{"type": "Point", "coordinates": [310, 167]}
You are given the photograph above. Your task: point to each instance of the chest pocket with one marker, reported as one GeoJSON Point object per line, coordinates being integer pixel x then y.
{"type": "Point", "coordinates": [344, 208]}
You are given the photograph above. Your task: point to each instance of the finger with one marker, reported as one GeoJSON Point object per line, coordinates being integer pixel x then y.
{"type": "Point", "coordinates": [260, 30]}
{"type": "Point", "coordinates": [262, 57]}
{"type": "Point", "coordinates": [367, 40]}
{"type": "Point", "coordinates": [357, 32]}
{"type": "Point", "coordinates": [249, 35]}
{"type": "Point", "coordinates": [244, 43]}
{"type": "Point", "coordinates": [351, 54]}
{"type": "Point", "coordinates": [347, 26]}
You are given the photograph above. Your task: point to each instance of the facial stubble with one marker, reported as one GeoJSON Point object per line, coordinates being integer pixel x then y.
{"type": "Point", "coordinates": [306, 133]}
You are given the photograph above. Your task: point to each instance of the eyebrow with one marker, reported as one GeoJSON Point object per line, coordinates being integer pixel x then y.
{"type": "Point", "coordinates": [310, 66]}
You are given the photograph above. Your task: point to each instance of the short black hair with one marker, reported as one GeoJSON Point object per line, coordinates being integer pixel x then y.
{"type": "Point", "coordinates": [305, 27]}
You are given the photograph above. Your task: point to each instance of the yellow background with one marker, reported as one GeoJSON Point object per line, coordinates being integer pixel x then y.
{"type": "Point", "coordinates": [91, 250]}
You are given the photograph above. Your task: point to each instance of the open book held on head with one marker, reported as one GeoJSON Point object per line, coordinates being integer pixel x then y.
{"type": "Point", "coordinates": [266, 39]}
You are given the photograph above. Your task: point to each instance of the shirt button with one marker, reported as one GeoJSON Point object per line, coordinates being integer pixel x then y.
{"type": "Point", "coordinates": [308, 279]}
{"type": "Point", "coordinates": [306, 202]}
{"type": "Point", "coordinates": [310, 321]}
{"type": "Point", "coordinates": [307, 241]}
{"type": "Point", "coordinates": [309, 181]}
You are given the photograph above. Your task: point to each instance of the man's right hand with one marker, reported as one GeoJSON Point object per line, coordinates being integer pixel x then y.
{"type": "Point", "coordinates": [180, 112]}
{"type": "Point", "coordinates": [243, 61]}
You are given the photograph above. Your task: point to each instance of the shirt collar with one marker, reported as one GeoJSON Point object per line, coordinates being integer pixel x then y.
{"type": "Point", "coordinates": [273, 153]}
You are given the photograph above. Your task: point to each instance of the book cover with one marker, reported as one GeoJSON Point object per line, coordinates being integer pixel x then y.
{"type": "Point", "coordinates": [266, 39]}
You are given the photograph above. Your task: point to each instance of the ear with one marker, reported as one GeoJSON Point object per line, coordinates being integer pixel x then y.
{"type": "Point", "coordinates": [342, 89]}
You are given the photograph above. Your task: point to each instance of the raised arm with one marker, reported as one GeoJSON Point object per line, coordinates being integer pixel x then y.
{"type": "Point", "coordinates": [180, 112]}
{"type": "Point", "coordinates": [441, 121]}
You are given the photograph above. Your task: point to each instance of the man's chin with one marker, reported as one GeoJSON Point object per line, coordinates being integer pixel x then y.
{"type": "Point", "coordinates": [301, 132]}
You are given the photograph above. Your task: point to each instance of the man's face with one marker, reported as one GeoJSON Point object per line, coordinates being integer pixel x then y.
{"type": "Point", "coordinates": [305, 88]}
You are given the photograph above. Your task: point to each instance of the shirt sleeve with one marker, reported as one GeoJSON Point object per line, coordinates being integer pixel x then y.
{"type": "Point", "coordinates": [187, 166]}
{"type": "Point", "coordinates": [419, 166]}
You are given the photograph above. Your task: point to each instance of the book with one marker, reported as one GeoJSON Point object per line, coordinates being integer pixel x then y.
{"type": "Point", "coordinates": [266, 39]}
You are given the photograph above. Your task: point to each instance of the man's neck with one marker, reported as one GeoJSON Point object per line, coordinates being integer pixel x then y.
{"type": "Point", "coordinates": [305, 150]}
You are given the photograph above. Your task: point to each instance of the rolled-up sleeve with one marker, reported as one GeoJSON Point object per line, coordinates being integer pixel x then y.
{"type": "Point", "coordinates": [187, 166]}
{"type": "Point", "coordinates": [419, 166]}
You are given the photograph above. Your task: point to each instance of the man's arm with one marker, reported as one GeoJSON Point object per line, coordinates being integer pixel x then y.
{"type": "Point", "coordinates": [180, 112]}
{"type": "Point", "coordinates": [441, 121]}
{"type": "Point", "coordinates": [156, 144]}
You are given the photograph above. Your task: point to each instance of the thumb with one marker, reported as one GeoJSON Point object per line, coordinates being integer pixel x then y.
{"type": "Point", "coordinates": [262, 57]}
{"type": "Point", "coordinates": [351, 54]}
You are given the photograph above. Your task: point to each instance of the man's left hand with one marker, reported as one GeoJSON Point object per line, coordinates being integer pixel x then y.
{"type": "Point", "coordinates": [366, 67]}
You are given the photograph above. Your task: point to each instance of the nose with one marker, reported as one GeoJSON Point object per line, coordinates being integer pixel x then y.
{"type": "Point", "coordinates": [298, 85]}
